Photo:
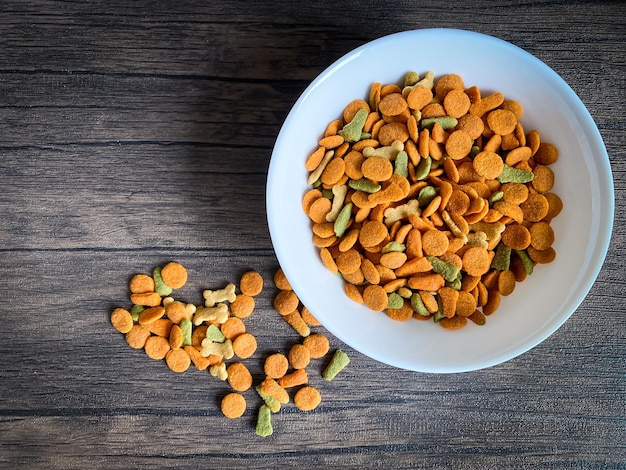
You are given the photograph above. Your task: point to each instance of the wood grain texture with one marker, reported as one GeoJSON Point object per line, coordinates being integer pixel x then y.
{"type": "Point", "coordinates": [133, 133]}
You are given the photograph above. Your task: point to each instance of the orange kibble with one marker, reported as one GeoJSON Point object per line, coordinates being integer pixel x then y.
{"type": "Point", "coordinates": [419, 97]}
{"type": "Point", "coordinates": [447, 83]}
{"type": "Point", "coordinates": [299, 356]}
{"type": "Point", "coordinates": [393, 131]}
{"type": "Point", "coordinates": [353, 292]}
{"type": "Point", "coordinates": [488, 164]}
{"type": "Point", "coordinates": [251, 283]}
{"type": "Point", "coordinates": [372, 233]}
{"type": "Point", "coordinates": [476, 261]}
{"type": "Point", "coordinates": [174, 275]}
{"type": "Point", "coordinates": [535, 207]}
{"type": "Point", "coordinates": [150, 315]}
{"type": "Point", "coordinates": [546, 154]}
{"type": "Point", "coordinates": [285, 302]}
{"type": "Point", "coordinates": [426, 281]}
{"type": "Point", "coordinates": [270, 387]}
{"type": "Point", "coordinates": [331, 142]}
{"type": "Point", "coordinates": [333, 172]}
{"type": "Point", "coordinates": [456, 103]}
{"type": "Point", "coordinates": [459, 144]}
{"type": "Point", "coordinates": [233, 405]}
{"type": "Point", "coordinates": [377, 168]}
{"type": "Point", "coordinates": [122, 320]}
{"type": "Point", "coordinates": [541, 256]}
{"type": "Point", "coordinates": [280, 280]}
{"type": "Point", "coordinates": [294, 379]}
{"type": "Point", "coordinates": [137, 336]}
{"type": "Point", "coordinates": [453, 323]}
{"type": "Point", "coordinates": [317, 344]}
{"type": "Point", "coordinates": [353, 107]}
{"type": "Point", "coordinates": [375, 297]}
{"type": "Point", "coordinates": [178, 360]}
{"type": "Point", "coordinates": [239, 377]}
{"type": "Point", "coordinates": [156, 347]}
{"type": "Point", "coordinates": [516, 236]}
{"type": "Point", "coordinates": [197, 359]}
{"type": "Point", "coordinates": [232, 328]}
{"type": "Point", "coordinates": [541, 236]}
{"type": "Point", "coordinates": [502, 121]}
{"type": "Point", "coordinates": [176, 337]}
{"type": "Point", "coordinates": [555, 205]}
{"type": "Point", "coordinates": [244, 345]}
{"type": "Point", "coordinates": [348, 261]}
{"type": "Point", "coordinates": [392, 104]}
{"type": "Point", "coordinates": [141, 284]}
{"type": "Point", "coordinates": [506, 282]}
{"type": "Point", "coordinates": [177, 312]}
{"type": "Point", "coordinates": [309, 198]}
{"type": "Point", "coordinates": [161, 327]}
{"type": "Point", "coordinates": [147, 299]}
{"type": "Point", "coordinates": [315, 159]}
{"type": "Point", "coordinates": [465, 304]}
{"type": "Point", "coordinates": [404, 313]}
{"type": "Point", "coordinates": [434, 242]}
{"type": "Point", "coordinates": [353, 162]}
{"type": "Point", "coordinates": [308, 317]}
{"type": "Point", "coordinates": [319, 209]}
{"type": "Point", "coordinates": [543, 179]}
{"type": "Point", "coordinates": [393, 259]}
{"type": "Point", "coordinates": [276, 365]}
{"type": "Point", "coordinates": [307, 398]}
{"type": "Point", "coordinates": [242, 306]}
{"type": "Point", "coordinates": [471, 124]}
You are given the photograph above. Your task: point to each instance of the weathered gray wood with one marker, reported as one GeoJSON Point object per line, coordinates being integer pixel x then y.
{"type": "Point", "coordinates": [133, 133]}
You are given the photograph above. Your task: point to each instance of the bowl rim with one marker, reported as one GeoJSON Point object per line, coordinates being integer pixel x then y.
{"type": "Point", "coordinates": [603, 163]}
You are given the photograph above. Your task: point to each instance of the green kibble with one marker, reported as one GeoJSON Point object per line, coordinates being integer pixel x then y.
{"type": "Point", "coordinates": [445, 122]}
{"type": "Point", "coordinates": [186, 327]}
{"type": "Point", "coordinates": [423, 168]}
{"type": "Point", "coordinates": [364, 185]}
{"type": "Point", "coordinates": [351, 132]}
{"type": "Point", "coordinates": [456, 284]}
{"type": "Point", "coordinates": [337, 363]}
{"type": "Point", "coordinates": [439, 313]}
{"type": "Point", "coordinates": [395, 301]}
{"type": "Point", "coordinates": [502, 259]}
{"type": "Point", "coordinates": [393, 246]}
{"type": "Point", "coordinates": [475, 150]}
{"type": "Point", "coordinates": [159, 286]}
{"type": "Point", "coordinates": [426, 195]}
{"type": "Point", "coordinates": [515, 175]}
{"type": "Point", "coordinates": [264, 422]}
{"type": "Point", "coordinates": [495, 197]}
{"type": "Point", "coordinates": [402, 164]}
{"type": "Point", "coordinates": [365, 136]}
{"type": "Point", "coordinates": [418, 305]}
{"type": "Point", "coordinates": [272, 403]}
{"type": "Point", "coordinates": [328, 194]}
{"type": "Point", "coordinates": [411, 78]}
{"type": "Point", "coordinates": [343, 220]}
{"type": "Point", "coordinates": [215, 334]}
{"type": "Point", "coordinates": [526, 261]}
{"type": "Point", "coordinates": [135, 311]}
{"type": "Point", "coordinates": [448, 270]}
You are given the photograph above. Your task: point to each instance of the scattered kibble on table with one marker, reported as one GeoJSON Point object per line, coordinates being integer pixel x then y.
{"type": "Point", "coordinates": [214, 337]}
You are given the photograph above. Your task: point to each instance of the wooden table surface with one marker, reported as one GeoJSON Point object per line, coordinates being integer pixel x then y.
{"type": "Point", "coordinates": [135, 133]}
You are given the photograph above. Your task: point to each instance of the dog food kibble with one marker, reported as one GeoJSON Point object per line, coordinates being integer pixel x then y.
{"type": "Point", "coordinates": [209, 336]}
{"type": "Point", "coordinates": [307, 398]}
{"type": "Point", "coordinates": [443, 197]}
{"type": "Point", "coordinates": [233, 405]}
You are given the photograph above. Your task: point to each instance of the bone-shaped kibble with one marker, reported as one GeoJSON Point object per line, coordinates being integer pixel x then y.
{"type": "Point", "coordinates": [219, 371]}
{"type": "Point", "coordinates": [339, 195]}
{"type": "Point", "coordinates": [224, 349]}
{"type": "Point", "coordinates": [478, 239]}
{"type": "Point", "coordinates": [393, 214]}
{"type": "Point", "coordinates": [454, 228]}
{"type": "Point", "coordinates": [492, 230]}
{"type": "Point", "coordinates": [389, 151]}
{"type": "Point", "coordinates": [211, 297]}
{"type": "Point", "coordinates": [219, 313]}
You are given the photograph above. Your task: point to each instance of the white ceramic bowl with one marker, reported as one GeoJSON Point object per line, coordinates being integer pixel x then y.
{"type": "Point", "coordinates": [540, 304]}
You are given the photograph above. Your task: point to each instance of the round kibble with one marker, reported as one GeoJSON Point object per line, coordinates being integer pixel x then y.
{"type": "Point", "coordinates": [307, 398]}
{"type": "Point", "coordinates": [299, 356]}
{"type": "Point", "coordinates": [285, 302]}
{"type": "Point", "coordinates": [251, 283]}
{"type": "Point", "coordinates": [233, 405]}
{"type": "Point", "coordinates": [122, 320]}
{"type": "Point", "coordinates": [244, 345]}
{"type": "Point", "coordinates": [239, 377]}
{"type": "Point", "coordinates": [174, 275]}
{"type": "Point", "coordinates": [242, 306]}
{"type": "Point", "coordinates": [276, 365]}
{"type": "Point", "coordinates": [317, 344]}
